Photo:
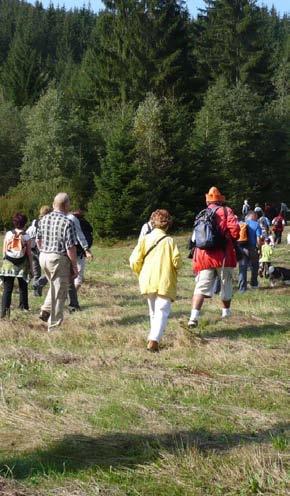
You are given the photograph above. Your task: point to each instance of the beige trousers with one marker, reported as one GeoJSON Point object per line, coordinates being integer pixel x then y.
{"type": "Point", "coordinates": [57, 270]}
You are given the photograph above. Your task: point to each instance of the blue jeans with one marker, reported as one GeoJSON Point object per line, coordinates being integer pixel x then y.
{"type": "Point", "coordinates": [251, 261]}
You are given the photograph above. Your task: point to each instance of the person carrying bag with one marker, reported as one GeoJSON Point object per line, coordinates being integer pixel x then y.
{"type": "Point", "coordinates": [156, 260]}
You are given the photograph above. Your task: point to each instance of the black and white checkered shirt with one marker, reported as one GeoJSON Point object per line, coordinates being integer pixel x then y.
{"type": "Point", "coordinates": [56, 233]}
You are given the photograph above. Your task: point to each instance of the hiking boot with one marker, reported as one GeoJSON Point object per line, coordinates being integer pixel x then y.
{"type": "Point", "coordinates": [192, 323]}
{"type": "Point", "coordinates": [153, 346]}
{"type": "Point", "coordinates": [44, 315]}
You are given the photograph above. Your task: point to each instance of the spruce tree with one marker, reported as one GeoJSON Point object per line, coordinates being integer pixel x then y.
{"type": "Point", "coordinates": [12, 135]}
{"type": "Point", "coordinates": [170, 53]}
{"type": "Point", "coordinates": [234, 42]}
{"type": "Point", "coordinates": [115, 209]}
{"type": "Point", "coordinates": [238, 144]}
{"type": "Point", "coordinates": [25, 74]}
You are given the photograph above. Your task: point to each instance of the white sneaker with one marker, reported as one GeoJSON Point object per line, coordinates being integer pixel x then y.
{"type": "Point", "coordinates": [227, 315]}
{"type": "Point", "coordinates": [192, 323]}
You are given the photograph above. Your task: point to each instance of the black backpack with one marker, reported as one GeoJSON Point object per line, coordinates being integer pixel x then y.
{"type": "Point", "coordinates": [206, 232]}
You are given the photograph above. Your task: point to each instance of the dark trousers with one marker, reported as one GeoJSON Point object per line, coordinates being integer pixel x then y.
{"type": "Point", "coordinates": [7, 294]}
{"type": "Point", "coordinates": [264, 269]}
{"type": "Point", "coordinates": [252, 261]}
{"type": "Point", "coordinates": [277, 237]}
{"type": "Point", "coordinates": [73, 296]}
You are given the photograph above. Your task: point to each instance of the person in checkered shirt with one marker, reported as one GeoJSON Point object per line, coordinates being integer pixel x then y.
{"type": "Point", "coordinates": [56, 240]}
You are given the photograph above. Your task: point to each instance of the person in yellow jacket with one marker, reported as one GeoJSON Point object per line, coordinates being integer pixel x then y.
{"type": "Point", "coordinates": [156, 260]}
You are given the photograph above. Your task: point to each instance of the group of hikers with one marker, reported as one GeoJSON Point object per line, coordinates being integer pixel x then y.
{"type": "Point", "coordinates": [55, 247]}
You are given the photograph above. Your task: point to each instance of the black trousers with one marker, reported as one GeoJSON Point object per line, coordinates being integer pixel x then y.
{"type": "Point", "coordinates": [7, 294]}
{"type": "Point", "coordinates": [73, 296]}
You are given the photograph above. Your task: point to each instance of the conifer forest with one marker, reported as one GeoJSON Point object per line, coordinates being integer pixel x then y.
{"type": "Point", "coordinates": [141, 106]}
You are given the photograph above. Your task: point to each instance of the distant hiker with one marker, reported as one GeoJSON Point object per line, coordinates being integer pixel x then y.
{"type": "Point", "coordinates": [265, 260]}
{"type": "Point", "coordinates": [278, 228]}
{"type": "Point", "coordinates": [250, 257]}
{"type": "Point", "coordinates": [270, 211]}
{"type": "Point", "coordinates": [258, 210]}
{"type": "Point", "coordinates": [156, 260]}
{"type": "Point", "coordinates": [84, 234]}
{"type": "Point", "coordinates": [246, 208]}
{"type": "Point", "coordinates": [39, 281]}
{"type": "Point", "coordinates": [283, 211]}
{"type": "Point", "coordinates": [57, 241]}
{"type": "Point", "coordinates": [265, 224]}
{"type": "Point", "coordinates": [216, 229]}
{"type": "Point", "coordinates": [17, 262]}
{"type": "Point", "coordinates": [146, 229]}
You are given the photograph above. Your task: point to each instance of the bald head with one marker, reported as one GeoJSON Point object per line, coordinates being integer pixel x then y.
{"type": "Point", "coordinates": [61, 203]}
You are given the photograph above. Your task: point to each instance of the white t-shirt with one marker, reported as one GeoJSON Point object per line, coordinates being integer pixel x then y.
{"type": "Point", "coordinates": [146, 229]}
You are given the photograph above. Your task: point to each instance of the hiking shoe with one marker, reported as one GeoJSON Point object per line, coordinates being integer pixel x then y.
{"type": "Point", "coordinates": [192, 323]}
{"type": "Point", "coordinates": [5, 314]}
{"type": "Point", "coordinates": [44, 315]}
{"type": "Point", "coordinates": [226, 315]}
{"type": "Point", "coordinates": [73, 309]}
{"type": "Point", "coordinates": [153, 346]}
{"type": "Point", "coordinates": [37, 291]}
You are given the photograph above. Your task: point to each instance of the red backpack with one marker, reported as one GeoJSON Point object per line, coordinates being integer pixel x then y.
{"type": "Point", "coordinates": [277, 224]}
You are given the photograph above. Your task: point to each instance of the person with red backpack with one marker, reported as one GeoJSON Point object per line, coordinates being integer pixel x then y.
{"type": "Point", "coordinates": [215, 231]}
{"type": "Point", "coordinates": [278, 228]}
{"type": "Point", "coordinates": [17, 263]}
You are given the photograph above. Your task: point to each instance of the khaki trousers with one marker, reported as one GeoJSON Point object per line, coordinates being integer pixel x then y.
{"type": "Point", "coordinates": [57, 270]}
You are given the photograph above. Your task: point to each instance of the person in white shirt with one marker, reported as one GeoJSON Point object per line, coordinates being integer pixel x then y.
{"type": "Point", "coordinates": [147, 228]}
{"type": "Point", "coordinates": [83, 253]}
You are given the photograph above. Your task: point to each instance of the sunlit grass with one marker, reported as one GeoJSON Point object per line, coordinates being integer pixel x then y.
{"type": "Point", "coordinates": [86, 410]}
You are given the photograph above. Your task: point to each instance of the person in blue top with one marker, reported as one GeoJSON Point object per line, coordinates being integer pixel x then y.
{"type": "Point", "coordinates": [251, 256]}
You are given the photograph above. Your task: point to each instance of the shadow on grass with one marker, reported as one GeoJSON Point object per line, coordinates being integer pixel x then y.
{"type": "Point", "coordinates": [121, 450]}
{"type": "Point", "coordinates": [248, 331]}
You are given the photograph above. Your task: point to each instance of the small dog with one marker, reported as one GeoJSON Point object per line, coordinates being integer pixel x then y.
{"type": "Point", "coordinates": [278, 274]}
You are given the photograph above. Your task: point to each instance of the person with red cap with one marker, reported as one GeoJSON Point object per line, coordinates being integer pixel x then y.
{"type": "Point", "coordinates": [218, 261]}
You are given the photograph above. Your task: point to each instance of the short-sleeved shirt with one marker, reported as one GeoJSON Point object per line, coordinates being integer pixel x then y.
{"type": "Point", "coordinates": [57, 233]}
{"type": "Point", "coordinates": [254, 232]}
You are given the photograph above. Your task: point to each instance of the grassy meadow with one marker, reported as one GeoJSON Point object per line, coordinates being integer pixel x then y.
{"type": "Point", "coordinates": [86, 410]}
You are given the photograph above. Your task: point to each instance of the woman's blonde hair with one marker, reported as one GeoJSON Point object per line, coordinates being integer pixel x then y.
{"type": "Point", "coordinates": [161, 219]}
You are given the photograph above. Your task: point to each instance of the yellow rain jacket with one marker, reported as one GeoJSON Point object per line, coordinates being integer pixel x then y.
{"type": "Point", "coordinates": [158, 272]}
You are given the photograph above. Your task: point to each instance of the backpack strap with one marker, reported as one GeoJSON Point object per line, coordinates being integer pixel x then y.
{"type": "Point", "coordinates": [154, 246]}
{"type": "Point", "coordinates": [149, 228]}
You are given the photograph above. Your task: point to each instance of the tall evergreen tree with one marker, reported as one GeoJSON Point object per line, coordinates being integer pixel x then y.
{"type": "Point", "coordinates": [234, 42]}
{"type": "Point", "coordinates": [115, 210]}
{"type": "Point", "coordinates": [139, 47]}
{"type": "Point", "coordinates": [25, 75]}
{"type": "Point", "coordinates": [170, 54]}
{"type": "Point", "coordinates": [238, 144]}
{"type": "Point", "coordinates": [12, 135]}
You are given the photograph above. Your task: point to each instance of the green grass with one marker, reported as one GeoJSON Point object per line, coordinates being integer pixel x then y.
{"type": "Point", "coordinates": [87, 411]}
